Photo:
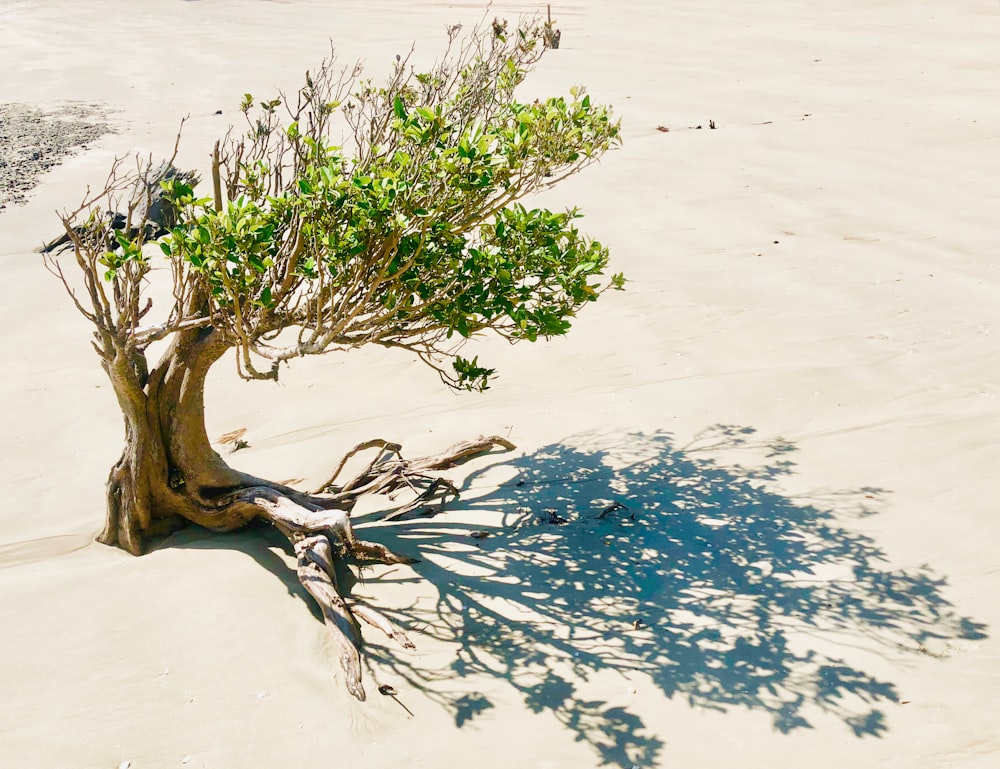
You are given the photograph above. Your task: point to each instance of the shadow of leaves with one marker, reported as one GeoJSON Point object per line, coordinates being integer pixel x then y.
{"type": "Point", "coordinates": [628, 555]}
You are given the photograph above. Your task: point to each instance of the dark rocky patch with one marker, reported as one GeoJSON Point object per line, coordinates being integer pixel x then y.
{"type": "Point", "coordinates": [33, 140]}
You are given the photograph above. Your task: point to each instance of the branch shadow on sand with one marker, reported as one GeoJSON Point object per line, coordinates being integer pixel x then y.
{"type": "Point", "coordinates": [682, 566]}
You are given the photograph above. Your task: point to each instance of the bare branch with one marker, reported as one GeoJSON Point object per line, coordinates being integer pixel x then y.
{"type": "Point", "coordinates": [144, 336]}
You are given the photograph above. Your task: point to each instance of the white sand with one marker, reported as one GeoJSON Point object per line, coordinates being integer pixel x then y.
{"type": "Point", "coordinates": [822, 267]}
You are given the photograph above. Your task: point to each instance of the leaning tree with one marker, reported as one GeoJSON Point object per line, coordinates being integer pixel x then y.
{"type": "Point", "coordinates": [348, 214]}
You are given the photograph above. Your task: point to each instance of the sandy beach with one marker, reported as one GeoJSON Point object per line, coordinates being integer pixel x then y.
{"type": "Point", "coordinates": [751, 520]}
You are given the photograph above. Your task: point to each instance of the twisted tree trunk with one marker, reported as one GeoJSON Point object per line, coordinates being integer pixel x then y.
{"type": "Point", "coordinates": [168, 472]}
{"type": "Point", "coordinates": [168, 475]}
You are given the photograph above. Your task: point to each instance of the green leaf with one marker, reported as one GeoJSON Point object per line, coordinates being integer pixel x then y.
{"type": "Point", "coordinates": [402, 240]}
{"type": "Point", "coordinates": [470, 375]}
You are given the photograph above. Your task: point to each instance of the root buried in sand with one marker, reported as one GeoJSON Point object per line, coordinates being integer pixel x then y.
{"type": "Point", "coordinates": [320, 530]}
{"type": "Point", "coordinates": [318, 526]}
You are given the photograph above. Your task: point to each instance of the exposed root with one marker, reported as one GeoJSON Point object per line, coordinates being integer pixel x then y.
{"type": "Point", "coordinates": [389, 472]}
{"type": "Point", "coordinates": [319, 527]}
{"type": "Point", "coordinates": [386, 448]}
{"type": "Point", "coordinates": [361, 550]}
{"type": "Point", "coordinates": [378, 620]}
{"type": "Point", "coordinates": [316, 575]}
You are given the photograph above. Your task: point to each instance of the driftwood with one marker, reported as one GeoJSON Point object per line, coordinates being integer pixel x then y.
{"type": "Point", "coordinates": [146, 208]}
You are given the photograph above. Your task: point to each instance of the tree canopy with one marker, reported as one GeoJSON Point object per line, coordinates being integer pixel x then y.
{"type": "Point", "coordinates": [406, 231]}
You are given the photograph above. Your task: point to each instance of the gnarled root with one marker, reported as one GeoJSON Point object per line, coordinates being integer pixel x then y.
{"type": "Point", "coordinates": [320, 530]}
{"type": "Point", "coordinates": [310, 533]}
{"type": "Point", "coordinates": [315, 570]}
{"type": "Point", "coordinates": [389, 472]}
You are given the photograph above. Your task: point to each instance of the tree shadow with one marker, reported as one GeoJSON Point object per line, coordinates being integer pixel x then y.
{"type": "Point", "coordinates": [627, 554]}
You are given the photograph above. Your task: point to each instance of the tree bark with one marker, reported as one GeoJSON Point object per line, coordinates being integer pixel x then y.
{"type": "Point", "coordinates": [168, 472]}
{"type": "Point", "coordinates": [168, 475]}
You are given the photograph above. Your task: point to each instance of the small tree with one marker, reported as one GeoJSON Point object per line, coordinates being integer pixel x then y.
{"type": "Point", "coordinates": [410, 237]}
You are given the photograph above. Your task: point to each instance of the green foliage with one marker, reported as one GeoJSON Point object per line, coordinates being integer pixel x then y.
{"type": "Point", "coordinates": [414, 237]}
{"type": "Point", "coordinates": [124, 255]}
{"type": "Point", "coordinates": [470, 375]}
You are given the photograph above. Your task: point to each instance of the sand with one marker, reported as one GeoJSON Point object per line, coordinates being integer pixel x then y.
{"type": "Point", "coordinates": [795, 404]}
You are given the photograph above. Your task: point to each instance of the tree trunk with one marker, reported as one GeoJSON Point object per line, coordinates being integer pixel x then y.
{"type": "Point", "coordinates": [168, 475]}
{"type": "Point", "coordinates": [168, 472]}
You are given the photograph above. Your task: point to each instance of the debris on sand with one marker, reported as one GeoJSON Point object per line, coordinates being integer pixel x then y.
{"type": "Point", "coordinates": [33, 140]}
